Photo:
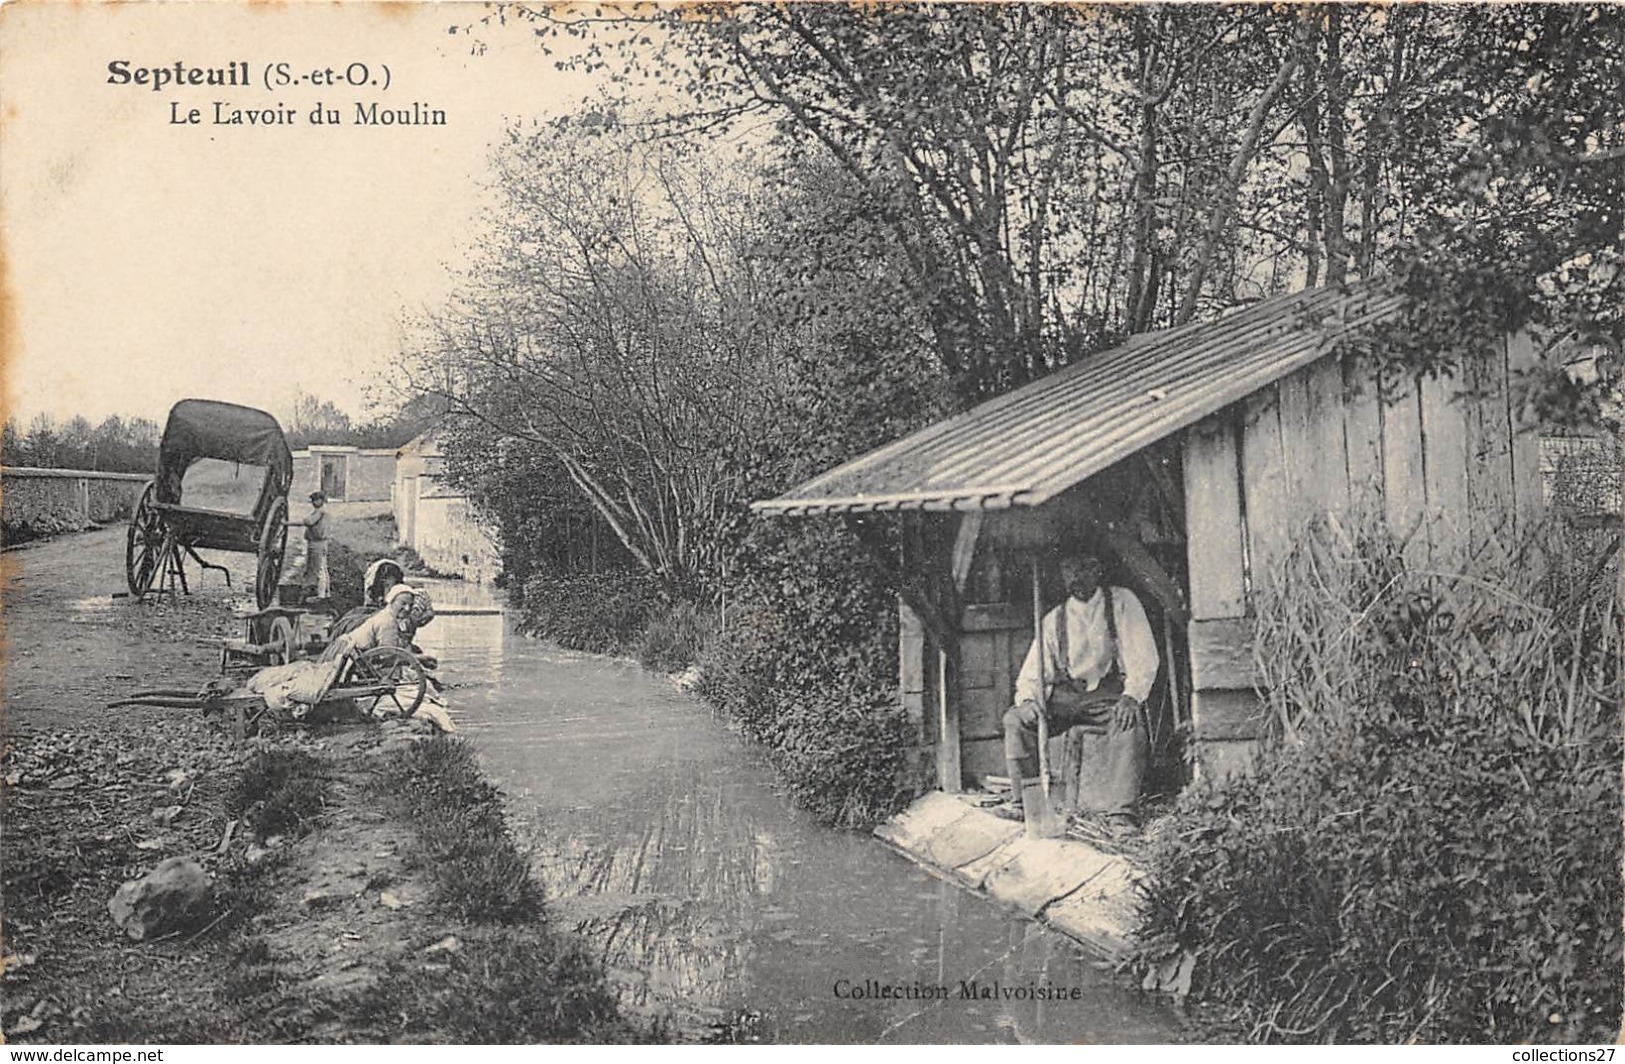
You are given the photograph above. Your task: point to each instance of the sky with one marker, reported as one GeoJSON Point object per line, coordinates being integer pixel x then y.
{"type": "Point", "coordinates": [149, 259]}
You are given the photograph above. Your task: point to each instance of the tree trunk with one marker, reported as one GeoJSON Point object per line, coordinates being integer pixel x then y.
{"type": "Point", "coordinates": [1225, 204]}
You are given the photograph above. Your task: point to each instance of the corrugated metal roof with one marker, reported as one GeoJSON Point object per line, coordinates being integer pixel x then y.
{"type": "Point", "coordinates": [1026, 447]}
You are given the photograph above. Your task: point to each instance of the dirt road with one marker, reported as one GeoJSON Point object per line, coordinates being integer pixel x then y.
{"type": "Point", "coordinates": [312, 917]}
{"type": "Point", "coordinates": [71, 646]}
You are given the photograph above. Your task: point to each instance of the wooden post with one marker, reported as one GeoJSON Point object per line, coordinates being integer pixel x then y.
{"type": "Point", "coordinates": [950, 775]}
{"type": "Point", "coordinates": [1043, 681]}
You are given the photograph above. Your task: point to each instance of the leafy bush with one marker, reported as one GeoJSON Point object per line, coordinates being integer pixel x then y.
{"type": "Point", "coordinates": [43, 526]}
{"type": "Point", "coordinates": [1432, 851]}
{"type": "Point", "coordinates": [600, 613]}
{"type": "Point", "coordinates": [810, 671]}
{"type": "Point", "coordinates": [675, 638]}
{"type": "Point", "coordinates": [346, 572]}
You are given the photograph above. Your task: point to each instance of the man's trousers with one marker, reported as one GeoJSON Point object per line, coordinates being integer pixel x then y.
{"type": "Point", "coordinates": [1119, 756]}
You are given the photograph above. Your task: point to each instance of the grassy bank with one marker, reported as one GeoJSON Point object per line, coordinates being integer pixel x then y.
{"type": "Point", "coordinates": [365, 889]}
{"type": "Point", "coordinates": [453, 936]}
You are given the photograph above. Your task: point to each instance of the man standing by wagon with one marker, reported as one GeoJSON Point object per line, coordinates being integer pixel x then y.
{"type": "Point", "coordinates": [316, 545]}
{"type": "Point", "coordinates": [1095, 669]}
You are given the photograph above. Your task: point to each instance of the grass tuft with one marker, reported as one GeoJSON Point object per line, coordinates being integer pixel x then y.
{"type": "Point", "coordinates": [280, 792]}
{"type": "Point", "coordinates": [464, 841]}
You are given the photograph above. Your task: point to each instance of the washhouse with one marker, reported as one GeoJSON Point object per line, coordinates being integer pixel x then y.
{"type": "Point", "coordinates": [1187, 460]}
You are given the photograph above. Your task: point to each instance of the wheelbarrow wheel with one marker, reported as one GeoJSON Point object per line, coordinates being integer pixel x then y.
{"type": "Point", "coordinates": [144, 544]}
{"type": "Point", "coordinates": [397, 674]}
{"type": "Point", "coordinates": [281, 640]}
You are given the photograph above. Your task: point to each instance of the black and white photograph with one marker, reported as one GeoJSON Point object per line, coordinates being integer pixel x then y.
{"type": "Point", "coordinates": [807, 523]}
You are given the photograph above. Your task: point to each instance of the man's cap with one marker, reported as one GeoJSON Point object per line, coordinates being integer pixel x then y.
{"type": "Point", "coordinates": [317, 495]}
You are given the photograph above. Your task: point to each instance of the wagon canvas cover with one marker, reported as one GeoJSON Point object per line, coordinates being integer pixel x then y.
{"type": "Point", "coordinates": [204, 428]}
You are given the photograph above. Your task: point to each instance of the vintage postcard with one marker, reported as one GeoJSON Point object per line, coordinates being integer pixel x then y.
{"type": "Point", "coordinates": [811, 523]}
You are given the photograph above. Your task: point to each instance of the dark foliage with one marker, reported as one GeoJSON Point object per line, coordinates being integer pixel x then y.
{"type": "Point", "coordinates": [600, 613]}
{"type": "Point", "coordinates": [346, 572]}
{"type": "Point", "coordinates": [675, 638]}
{"type": "Point", "coordinates": [43, 526]}
{"type": "Point", "coordinates": [809, 669]}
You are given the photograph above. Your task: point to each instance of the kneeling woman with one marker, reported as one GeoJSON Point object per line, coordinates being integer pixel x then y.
{"type": "Point", "coordinates": [384, 583]}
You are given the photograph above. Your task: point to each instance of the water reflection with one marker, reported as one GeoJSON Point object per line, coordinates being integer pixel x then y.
{"type": "Point", "coordinates": [659, 835]}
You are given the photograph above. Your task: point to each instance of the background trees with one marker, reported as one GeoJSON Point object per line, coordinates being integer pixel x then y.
{"type": "Point", "coordinates": [850, 221]}
{"type": "Point", "coordinates": [610, 334]}
{"type": "Point", "coordinates": [115, 445]}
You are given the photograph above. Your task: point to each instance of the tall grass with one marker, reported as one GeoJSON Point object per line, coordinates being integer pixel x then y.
{"type": "Point", "coordinates": [1429, 850]}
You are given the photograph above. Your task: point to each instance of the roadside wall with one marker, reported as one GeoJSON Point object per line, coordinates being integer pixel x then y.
{"type": "Point", "coordinates": [37, 502]}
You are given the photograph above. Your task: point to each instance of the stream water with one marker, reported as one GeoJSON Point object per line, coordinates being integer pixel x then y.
{"type": "Point", "coordinates": [660, 835]}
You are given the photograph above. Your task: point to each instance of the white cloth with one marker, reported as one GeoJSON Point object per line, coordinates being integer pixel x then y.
{"type": "Point", "coordinates": [1090, 647]}
{"type": "Point", "coordinates": [296, 686]}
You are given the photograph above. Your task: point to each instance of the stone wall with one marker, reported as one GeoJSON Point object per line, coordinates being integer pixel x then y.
{"type": "Point", "coordinates": [369, 475]}
{"type": "Point", "coordinates": [451, 540]}
{"type": "Point", "coordinates": [42, 502]}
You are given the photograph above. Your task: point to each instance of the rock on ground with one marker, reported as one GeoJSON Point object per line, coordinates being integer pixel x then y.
{"type": "Point", "coordinates": [172, 897]}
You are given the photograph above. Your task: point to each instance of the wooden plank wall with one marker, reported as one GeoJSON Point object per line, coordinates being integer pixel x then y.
{"type": "Point", "coordinates": [1447, 513]}
{"type": "Point", "coordinates": [1403, 489]}
{"type": "Point", "coordinates": [1217, 551]}
{"type": "Point", "coordinates": [993, 642]}
{"type": "Point", "coordinates": [1489, 438]}
{"type": "Point", "coordinates": [1451, 470]}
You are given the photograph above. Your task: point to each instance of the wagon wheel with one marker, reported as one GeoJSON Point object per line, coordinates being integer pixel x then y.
{"type": "Point", "coordinates": [397, 671]}
{"type": "Point", "coordinates": [281, 639]}
{"type": "Point", "coordinates": [273, 546]}
{"type": "Point", "coordinates": [144, 544]}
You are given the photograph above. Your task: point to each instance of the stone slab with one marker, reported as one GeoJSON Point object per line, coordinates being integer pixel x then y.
{"type": "Point", "coordinates": [1103, 912]}
{"type": "Point", "coordinates": [1080, 891]}
{"type": "Point", "coordinates": [969, 838]}
{"type": "Point", "coordinates": [974, 874]}
{"type": "Point", "coordinates": [1045, 870]}
{"type": "Point", "coordinates": [912, 829]}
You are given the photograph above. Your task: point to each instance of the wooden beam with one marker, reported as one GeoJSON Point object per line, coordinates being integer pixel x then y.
{"type": "Point", "coordinates": [1404, 491]}
{"type": "Point", "coordinates": [1444, 448]}
{"type": "Point", "coordinates": [1524, 436]}
{"type": "Point", "coordinates": [1329, 483]}
{"type": "Point", "coordinates": [970, 529]}
{"type": "Point", "coordinates": [935, 621]}
{"type": "Point", "coordinates": [1237, 714]}
{"type": "Point", "coordinates": [1137, 560]}
{"type": "Point", "coordinates": [1489, 454]}
{"type": "Point", "coordinates": [1263, 481]}
{"type": "Point", "coordinates": [1297, 451]}
{"type": "Point", "coordinates": [1043, 684]}
{"type": "Point", "coordinates": [1213, 531]}
{"type": "Point", "coordinates": [949, 774]}
{"type": "Point", "coordinates": [1221, 653]}
{"type": "Point", "coordinates": [1362, 435]}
